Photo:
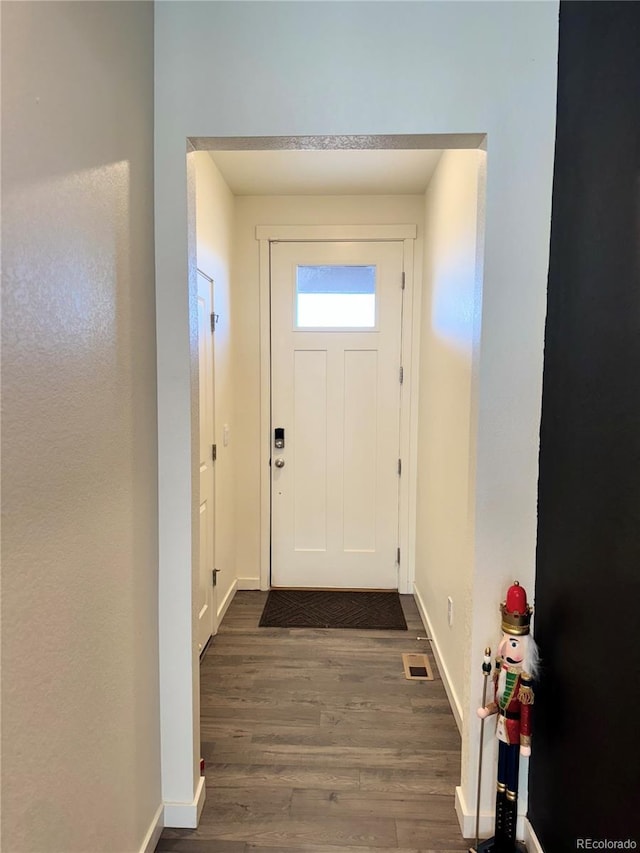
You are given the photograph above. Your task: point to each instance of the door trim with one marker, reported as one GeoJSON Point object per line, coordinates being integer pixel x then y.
{"type": "Point", "coordinates": [334, 233]}
{"type": "Point", "coordinates": [211, 440]}
{"type": "Point", "coordinates": [265, 235]}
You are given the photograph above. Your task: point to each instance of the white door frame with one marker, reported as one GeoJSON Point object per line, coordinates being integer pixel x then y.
{"type": "Point", "coordinates": [210, 441]}
{"type": "Point", "coordinates": [266, 234]}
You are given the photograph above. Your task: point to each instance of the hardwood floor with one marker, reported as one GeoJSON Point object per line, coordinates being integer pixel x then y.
{"type": "Point", "coordinates": [314, 741]}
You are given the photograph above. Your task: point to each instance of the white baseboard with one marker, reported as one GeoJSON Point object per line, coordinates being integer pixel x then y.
{"type": "Point", "coordinates": [154, 832]}
{"type": "Point", "coordinates": [249, 583]}
{"type": "Point", "coordinates": [467, 821]}
{"type": "Point", "coordinates": [226, 601]}
{"type": "Point", "coordinates": [186, 815]}
{"type": "Point", "coordinates": [531, 839]}
{"type": "Point", "coordinates": [452, 696]}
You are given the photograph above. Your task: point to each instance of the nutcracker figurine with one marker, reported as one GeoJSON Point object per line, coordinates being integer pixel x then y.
{"type": "Point", "coordinates": [515, 668]}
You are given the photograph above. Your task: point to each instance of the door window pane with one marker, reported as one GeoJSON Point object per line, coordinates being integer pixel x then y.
{"type": "Point", "coordinates": [338, 297]}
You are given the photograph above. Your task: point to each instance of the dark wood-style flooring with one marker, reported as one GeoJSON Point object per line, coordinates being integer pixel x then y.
{"type": "Point", "coordinates": [314, 741]}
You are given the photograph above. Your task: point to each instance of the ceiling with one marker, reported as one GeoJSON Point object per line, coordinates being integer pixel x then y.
{"type": "Point", "coordinates": [327, 172]}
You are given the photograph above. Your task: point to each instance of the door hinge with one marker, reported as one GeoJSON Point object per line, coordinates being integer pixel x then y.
{"type": "Point", "coordinates": [214, 577]}
{"type": "Point", "coordinates": [403, 280]}
{"type": "Point", "coordinates": [399, 467]}
{"type": "Point", "coordinates": [401, 374]}
{"type": "Point", "coordinates": [214, 320]}
{"type": "Point", "coordinates": [398, 557]}
{"type": "Point", "coordinates": [214, 452]}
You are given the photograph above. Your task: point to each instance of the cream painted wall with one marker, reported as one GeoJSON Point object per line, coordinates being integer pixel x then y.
{"type": "Point", "coordinates": [214, 228]}
{"type": "Point", "coordinates": [281, 210]}
{"type": "Point", "coordinates": [298, 69]}
{"type": "Point", "coordinates": [80, 710]}
{"type": "Point", "coordinates": [446, 446]}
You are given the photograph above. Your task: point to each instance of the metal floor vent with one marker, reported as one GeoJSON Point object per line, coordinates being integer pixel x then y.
{"type": "Point", "coordinates": [417, 667]}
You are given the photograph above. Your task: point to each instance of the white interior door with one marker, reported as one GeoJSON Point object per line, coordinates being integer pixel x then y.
{"type": "Point", "coordinates": [336, 311]}
{"type": "Point", "coordinates": [206, 591]}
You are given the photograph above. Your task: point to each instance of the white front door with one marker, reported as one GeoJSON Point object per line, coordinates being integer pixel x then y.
{"type": "Point", "coordinates": [336, 312]}
{"type": "Point", "coordinates": [206, 593]}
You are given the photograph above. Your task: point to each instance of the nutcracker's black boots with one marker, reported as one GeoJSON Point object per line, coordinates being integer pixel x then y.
{"type": "Point", "coordinates": [510, 818]}
{"type": "Point", "coordinates": [504, 838]}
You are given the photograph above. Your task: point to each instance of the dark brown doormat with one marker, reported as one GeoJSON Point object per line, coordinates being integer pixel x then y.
{"type": "Point", "coordinates": [316, 608]}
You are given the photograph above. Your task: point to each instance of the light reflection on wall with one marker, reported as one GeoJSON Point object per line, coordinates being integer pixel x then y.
{"type": "Point", "coordinates": [72, 273]}
{"type": "Point", "coordinates": [453, 303]}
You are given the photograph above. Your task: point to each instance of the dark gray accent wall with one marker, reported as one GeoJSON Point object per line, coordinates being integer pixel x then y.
{"type": "Point", "coordinates": [585, 768]}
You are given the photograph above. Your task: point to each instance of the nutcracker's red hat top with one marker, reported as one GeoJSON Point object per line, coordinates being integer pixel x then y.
{"type": "Point", "coordinates": [516, 613]}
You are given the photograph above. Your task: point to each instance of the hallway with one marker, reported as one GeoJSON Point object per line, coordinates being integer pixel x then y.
{"type": "Point", "coordinates": [315, 741]}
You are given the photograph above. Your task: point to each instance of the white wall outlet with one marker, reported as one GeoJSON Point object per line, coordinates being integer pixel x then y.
{"type": "Point", "coordinates": [450, 611]}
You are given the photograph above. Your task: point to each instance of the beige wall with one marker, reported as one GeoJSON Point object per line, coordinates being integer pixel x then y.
{"type": "Point", "coordinates": [80, 726]}
{"type": "Point", "coordinates": [214, 224]}
{"type": "Point", "coordinates": [446, 447]}
{"type": "Point", "coordinates": [280, 210]}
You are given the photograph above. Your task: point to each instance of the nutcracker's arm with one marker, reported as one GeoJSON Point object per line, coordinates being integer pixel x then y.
{"type": "Point", "coordinates": [487, 711]}
{"type": "Point", "coordinates": [526, 697]}
{"type": "Point", "coordinates": [492, 707]}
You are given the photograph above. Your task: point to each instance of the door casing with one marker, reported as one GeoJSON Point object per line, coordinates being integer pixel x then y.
{"type": "Point", "coordinates": [266, 234]}
{"type": "Point", "coordinates": [207, 438]}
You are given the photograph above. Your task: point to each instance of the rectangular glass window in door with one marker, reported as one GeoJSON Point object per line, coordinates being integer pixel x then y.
{"type": "Point", "coordinates": [335, 297]}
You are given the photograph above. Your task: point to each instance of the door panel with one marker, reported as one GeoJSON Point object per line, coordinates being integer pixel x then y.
{"type": "Point", "coordinates": [336, 393]}
{"type": "Point", "coordinates": [360, 450]}
{"type": "Point", "coordinates": [310, 450]}
{"type": "Point", "coordinates": [206, 594]}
